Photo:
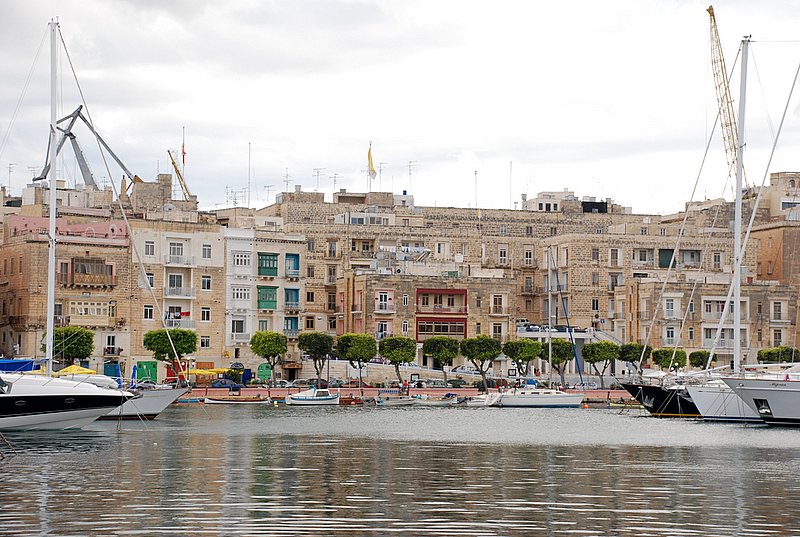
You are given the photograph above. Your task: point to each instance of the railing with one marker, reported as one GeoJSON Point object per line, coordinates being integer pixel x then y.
{"type": "Point", "coordinates": [291, 305]}
{"type": "Point", "coordinates": [292, 273]}
{"type": "Point", "coordinates": [527, 289]}
{"type": "Point", "coordinates": [291, 333]}
{"type": "Point", "coordinates": [330, 280]}
{"type": "Point", "coordinates": [183, 292]}
{"type": "Point", "coordinates": [87, 280]}
{"type": "Point", "coordinates": [498, 310]}
{"type": "Point", "coordinates": [442, 309]}
{"type": "Point", "coordinates": [240, 337]}
{"type": "Point", "coordinates": [179, 323]}
{"type": "Point", "coordinates": [721, 344]}
{"type": "Point", "coordinates": [179, 260]}
{"type": "Point", "coordinates": [112, 351]}
{"type": "Point", "coordinates": [384, 308]}
{"type": "Point", "coordinates": [380, 335]}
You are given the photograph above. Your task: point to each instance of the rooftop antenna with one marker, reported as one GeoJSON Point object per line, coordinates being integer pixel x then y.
{"type": "Point", "coordinates": [268, 188]}
{"type": "Point", "coordinates": [316, 174]}
{"type": "Point", "coordinates": [286, 180]}
{"type": "Point", "coordinates": [335, 175]}
{"type": "Point", "coordinates": [248, 174]}
{"type": "Point", "coordinates": [510, 176]}
{"type": "Point", "coordinates": [380, 173]}
{"type": "Point", "coordinates": [476, 189]}
{"type": "Point", "coordinates": [10, 168]}
{"type": "Point", "coordinates": [410, 167]}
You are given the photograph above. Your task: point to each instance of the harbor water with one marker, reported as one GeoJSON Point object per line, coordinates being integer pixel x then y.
{"type": "Point", "coordinates": [365, 471]}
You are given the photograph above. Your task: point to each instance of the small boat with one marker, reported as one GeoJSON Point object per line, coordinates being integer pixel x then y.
{"type": "Point", "coordinates": [351, 399]}
{"type": "Point", "coordinates": [312, 397]}
{"type": "Point", "coordinates": [395, 401]}
{"type": "Point", "coordinates": [445, 400]}
{"type": "Point", "coordinates": [258, 399]}
{"type": "Point", "coordinates": [483, 400]}
{"type": "Point", "coordinates": [539, 398]}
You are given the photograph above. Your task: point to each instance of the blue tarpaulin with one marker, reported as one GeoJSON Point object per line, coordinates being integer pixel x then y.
{"type": "Point", "coordinates": [10, 366]}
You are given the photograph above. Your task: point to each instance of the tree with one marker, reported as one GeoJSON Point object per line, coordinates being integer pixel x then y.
{"type": "Point", "coordinates": [665, 359]}
{"type": "Point", "coordinates": [442, 348]}
{"type": "Point", "coordinates": [481, 351]}
{"type": "Point", "coordinates": [399, 350]}
{"type": "Point", "coordinates": [699, 358]}
{"type": "Point", "coordinates": [71, 343]}
{"type": "Point", "coordinates": [358, 349]}
{"type": "Point", "coordinates": [778, 354]}
{"type": "Point", "coordinates": [269, 345]}
{"type": "Point", "coordinates": [602, 352]}
{"type": "Point", "coordinates": [561, 355]}
{"type": "Point", "coordinates": [522, 352]}
{"type": "Point", "coordinates": [319, 346]}
{"type": "Point", "coordinates": [632, 354]}
{"type": "Point", "coordinates": [157, 342]}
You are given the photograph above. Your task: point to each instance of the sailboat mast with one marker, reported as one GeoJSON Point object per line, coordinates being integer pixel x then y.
{"type": "Point", "coordinates": [549, 319]}
{"type": "Point", "coordinates": [51, 262]}
{"type": "Point", "coordinates": [737, 222]}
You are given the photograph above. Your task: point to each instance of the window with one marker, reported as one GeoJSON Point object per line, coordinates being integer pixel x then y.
{"type": "Point", "coordinates": [331, 279]}
{"type": "Point", "coordinates": [777, 337]}
{"type": "Point", "coordinates": [769, 266]}
{"type": "Point", "coordinates": [595, 278]}
{"type": "Point", "coordinates": [237, 326]}
{"type": "Point", "coordinates": [553, 231]}
{"type": "Point", "coordinates": [614, 257]}
{"type": "Point", "coordinates": [241, 259]}
{"type": "Point", "coordinates": [405, 328]}
{"type": "Point", "coordinates": [670, 335]}
{"type": "Point", "coordinates": [669, 307]}
{"type": "Point", "coordinates": [267, 298]}
{"type": "Point", "coordinates": [425, 300]}
{"type": "Point", "coordinates": [331, 301]}
{"type": "Point", "coordinates": [148, 314]}
{"type": "Point", "coordinates": [205, 282]}
{"type": "Point", "coordinates": [595, 254]}
{"type": "Point", "coordinates": [267, 264]}
{"type": "Point", "coordinates": [205, 342]}
{"type": "Point", "coordinates": [331, 248]}
{"type": "Point", "coordinates": [690, 333]}
{"type": "Point", "coordinates": [310, 245]}
{"type": "Point", "coordinates": [309, 296]}
{"type": "Point", "coordinates": [503, 256]}
{"type": "Point", "coordinates": [263, 325]}
{"type": "Point", "coordinates": [205, 314]}
{"type": "Point", "coordinates": [382, 329]}
{"type": "Point", "coordinates": [643, 231]}
{"type": "Point", "coordinates": [717, 257]}
{"type": "Point", "coordinates": [777, 311]}
{"type": "Point", "coordinates": [176, 249]}
{"type": "Point", "coordinates": [595, 304]}
{"type": "Point", "coordinates": [309, 323]}
{"type": "Point", "coordinates": [529, 231]}
{"type": "Point", "coordinates": [151, 279]}
{"type": "Point", "coordinates": [497, 331]}
{"type": "Point", "coordinates": [663, 231]}
{"type": "Point", "coordinates": [310, 271]}
{"type": "Point", "coordinates": [503, 230]}
{"type": "Point", "coordinates": [149, 248]}
{"type": "Point", "coordinates": [240, 293]}
{"type": "Point", "coordinates": [405, 300]}
{"type": "Point", "coordinates": [528, 257]}
{"type": "Point", "coordinates": [175, 281]}
{"type": "Point", "coordinates": [206, 251]}
{"type": "Point", "coordinates": [477, 329]}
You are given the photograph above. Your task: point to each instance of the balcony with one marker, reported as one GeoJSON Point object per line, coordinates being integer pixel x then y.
{"type": "Point", "coordinates": [71, 279]}
{"type": "Point", "coordinates": [91, 320]}
{"type": "Point", "coordinates": [291, 305]}
{"type": "Point", "coordinates": [179, 323]}
{"type": "Point", "coordinates": [381, 335]}
{"type": "Point", "coordinates": [112, 351]}
{"type": "Point", "coordinates": [179, 292]}
{"type": "Point", "coordinates": [330, 280]}
{"type": "Point", "coordinates": [292, 273]}
{"type": "Point", "coordinates": [383, 308]}
{"type": "Point", "coordinates": [528, 290]}
{"type": "Point", "coordinates": [240, 337]}
{"type": "Point", "coordinates": [499, 310]}
{"type": "Point", "coordinates": [179, 260]}
{"type": "Point", "coordinates": [721, 344]}
{"type": "Point", "coordinates": [291, 333]}
{"type": "Point", "coordinates": [442, 309]}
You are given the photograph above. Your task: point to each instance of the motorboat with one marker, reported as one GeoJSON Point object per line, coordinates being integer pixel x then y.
{"type": "Point", "coordinates": [382, 401]}
{"type": "Point", "coordinates": [775, 400]}
{"type": "Point", "coordinates": [533, 397]}
{"type": "Point", "coordinates": [312, 396]}
{"type": "Point", "coordinates": [716, 401]}
{"type": "Point", "coordinates": [445, 400]}
{"type": "Point", "coordinates": [238, 400]}
{"type": "Point", "coordinates": [146, 404]}
{"type": "Point", "coordinates": [32, 402]}
{"type": "Point", "coordinates": [663, 400]}
{"type": "Point", "coordinates": [483, 400]}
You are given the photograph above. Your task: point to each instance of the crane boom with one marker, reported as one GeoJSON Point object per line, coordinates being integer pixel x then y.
{"type": "Point", "coordinates": [727, 118]}
{"type": "Point", "coordinates": [186, 194]}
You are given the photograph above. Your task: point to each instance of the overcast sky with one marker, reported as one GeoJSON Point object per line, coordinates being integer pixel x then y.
{"type": "Point", "coordinates": [606, 99]}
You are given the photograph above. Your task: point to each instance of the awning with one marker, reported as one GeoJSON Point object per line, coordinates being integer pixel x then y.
{"type": "Point", "coordinates": [74, 370]}
{"type": "Point", "coordinates": [292, 365]}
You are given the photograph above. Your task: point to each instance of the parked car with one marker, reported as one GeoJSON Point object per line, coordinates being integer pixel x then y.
{"type": "Point", "coordinates": [435, 383]}
{"type": "Point", "coordinates": [464, 369]}
{"type": "Point", "coordinates": [278, 383]}
{"type": "Point", "coordinates": [226, 383]}
{"type": "Point", "coordinates": [356, 384]}
{"type": "Point", "coordinates": [533, 328]}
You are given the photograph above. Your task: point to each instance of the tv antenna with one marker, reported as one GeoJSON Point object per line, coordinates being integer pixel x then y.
{"type": "Point", "coordinates": [10, 169]}
{"type": "Point", "coordinates": [334, 176]}
{"type": "Point", "coordinates": [316, 174]}
{"type": "Point", "coordinates": [234, 197]}
{"type": "Point", "coordinates": [268, 188]}
{"type": "Point", "coordinates": [286, 180]}
{"type": "Point", "coordinates": [410, 167]}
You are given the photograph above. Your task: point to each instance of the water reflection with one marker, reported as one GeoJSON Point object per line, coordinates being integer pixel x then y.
{"type": "Point", "coordinates": [366, 472]}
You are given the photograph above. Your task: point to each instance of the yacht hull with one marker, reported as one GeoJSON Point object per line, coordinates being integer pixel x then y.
{"type": "Point", "coordinates": [663, 402]}
{"type": "Point", "coordinates": [717, 402]}
{"type": "Point", "coordinates": [777, 402]}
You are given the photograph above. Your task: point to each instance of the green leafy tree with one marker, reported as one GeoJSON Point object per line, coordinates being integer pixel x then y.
{"type": "Point", "coordinates": [398, 350]}
{"type": "Point", "coordinates": [71, 343]}
{"type": "Point", "coordinates": [561, 355]}
{"type": "Point", "coordinates": [699, 358]}
{"type": "Point", "coordinates": [271, 346]}
{"type": "Point", "coordinates": [319, 346]}
{"type": "Point", "coordinates": [631, 353]}
{"type": "Point", "coordinates": [664, 357]}
{"type": "Point", "coordinates": [602, 352]}
{"type": "Point", "coordinates": [775, 355]}
{"type": "Point", "coordinates": [481, 351]}
{"type": "Point", "coordinates": [522, 352]}
{"type": "Point", "coordinates": [358, 349]}
{"type": "Point", "coordinates": [157, 342]}
{"type": "Point", "coordinates": [443, 349]}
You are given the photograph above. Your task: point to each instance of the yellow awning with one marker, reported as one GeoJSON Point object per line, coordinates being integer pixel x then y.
{"type": "Point", "coordinates": [74, 370]}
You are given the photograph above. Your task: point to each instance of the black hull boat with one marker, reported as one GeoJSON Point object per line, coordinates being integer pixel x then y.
{"type": "Point", "coordinates": [663, 402]}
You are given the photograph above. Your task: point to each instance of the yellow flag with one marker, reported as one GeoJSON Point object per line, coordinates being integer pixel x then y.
{"type": "Point", "coordinates": [370, 165]}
